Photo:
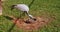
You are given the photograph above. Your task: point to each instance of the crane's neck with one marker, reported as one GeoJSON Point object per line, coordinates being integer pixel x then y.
{"type": "Point", "coordinates": [30, 16]}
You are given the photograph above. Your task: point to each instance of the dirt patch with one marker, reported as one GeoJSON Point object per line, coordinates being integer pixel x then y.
{"type": "Point", "coordinates": [31, 24]}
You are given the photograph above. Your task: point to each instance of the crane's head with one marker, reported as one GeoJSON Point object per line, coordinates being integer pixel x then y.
{"type": "Point", "coordinates": [31, 17]}
{"type": "Point", "coordinates": [12, 7]}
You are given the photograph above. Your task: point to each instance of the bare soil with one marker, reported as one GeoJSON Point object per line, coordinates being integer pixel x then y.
{"type": "Point", "coordinates": [31, 24]}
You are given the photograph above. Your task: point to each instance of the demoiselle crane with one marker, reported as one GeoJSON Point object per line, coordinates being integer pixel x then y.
{"type": "Point", "coordinates": [24, 8]}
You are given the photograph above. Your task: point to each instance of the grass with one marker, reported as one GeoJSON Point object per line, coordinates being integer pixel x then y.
{"type": "Point", "coordinates": [46, 8]}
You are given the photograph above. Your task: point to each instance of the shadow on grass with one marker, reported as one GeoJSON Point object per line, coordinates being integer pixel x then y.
{"type": "Point", "coordinates": [13, 25]}
{"type": "Point", "coordinates": [7, 17]}
{"type": "Point", "coordinates": [31, 3]}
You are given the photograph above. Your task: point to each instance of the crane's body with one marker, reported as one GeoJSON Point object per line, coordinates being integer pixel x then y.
{"type": "Point", "coordinates": [24, 8]}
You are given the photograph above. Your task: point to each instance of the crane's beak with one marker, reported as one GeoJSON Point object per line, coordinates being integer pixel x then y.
{"type": "Point", "coordinates": [12, 7]}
